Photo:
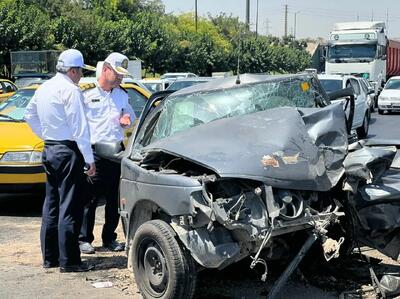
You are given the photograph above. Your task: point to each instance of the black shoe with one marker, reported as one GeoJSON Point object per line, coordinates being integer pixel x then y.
{"type": "Point", "coordinates": [114, 246]}
{"type": "Point", "coordinates": [48, 265]}
{"type": "Point", "coordinates": [82, 267]}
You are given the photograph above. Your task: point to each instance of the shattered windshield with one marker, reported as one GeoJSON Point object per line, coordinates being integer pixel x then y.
{"type": "Point", "coordinates": [181, 112]}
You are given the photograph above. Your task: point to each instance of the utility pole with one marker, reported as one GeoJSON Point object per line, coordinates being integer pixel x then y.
{"type": "Point", "coordinates": [248, 14]}
{"type": "Point", "coordinates": [295, 24]}
{"type": "Point", "coordinates": [195, 13]}
{"type": "Point", "coordinates": [372, 15]}
{"type": "Point", "coordinates": [286, 12]}
{"type": "Point", "coordinates": [257, 20]}
{"type": "Point", "coordinates": [387, 21]}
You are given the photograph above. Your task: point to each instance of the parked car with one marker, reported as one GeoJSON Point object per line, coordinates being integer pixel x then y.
{"type": "Point", "coordinates": [183, 83]}
{"type": "Point", "coordinates": [174, 76]}
{"type": "Point", "coordinates": [7, 89]}
{"type": "Point", "coordinates": [155, 85]}
{"type": "Point", "coordinates": [21, 150]}
{"type": "Point", "coordinates": [389, 98]}
{"type": "Point", "coordinates": [362, 113]}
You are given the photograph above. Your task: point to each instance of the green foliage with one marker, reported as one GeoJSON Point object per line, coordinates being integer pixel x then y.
{"type": "Point", "coordinates": [141, 29]}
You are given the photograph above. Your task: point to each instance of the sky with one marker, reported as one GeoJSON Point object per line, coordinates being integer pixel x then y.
{"type": "Point", "coordinates": [314, 18]}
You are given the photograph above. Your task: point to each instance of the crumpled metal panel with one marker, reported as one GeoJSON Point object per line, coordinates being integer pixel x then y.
{"type": "Point", "coordinates": [369, 163]}
{"type": "Point", "coordinates": [211, 250]}
{"type": "Point", "coordinates": [283, 147]}
{"type": "Point", "coordinates": [377, 203]}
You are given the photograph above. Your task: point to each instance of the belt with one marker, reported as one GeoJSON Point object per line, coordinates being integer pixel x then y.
{"type": "Point", "coordinates": [68, 143]}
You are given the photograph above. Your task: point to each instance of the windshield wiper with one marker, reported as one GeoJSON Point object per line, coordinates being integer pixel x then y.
{"type": "Point", "coordinates": [10, 118]}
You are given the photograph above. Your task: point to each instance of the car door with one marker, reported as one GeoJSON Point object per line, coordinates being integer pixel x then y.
{"type": "Point", "coordinates": [360, 103]}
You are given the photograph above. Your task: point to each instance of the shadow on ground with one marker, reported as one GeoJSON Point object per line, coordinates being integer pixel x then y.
{"type": "Point", "coordinates": [21, 205]}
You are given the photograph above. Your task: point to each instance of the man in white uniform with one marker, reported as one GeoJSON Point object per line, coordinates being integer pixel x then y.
{"type": "Point", "coordinates": [56, 115]}
{"type": "Point", "coordinates": [108, 113]}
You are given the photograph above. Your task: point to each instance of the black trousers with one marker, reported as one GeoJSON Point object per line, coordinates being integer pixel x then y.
{"type": "Point", "coordinates": [63, 204]}
{"type": "Point", "coordinates": [105, 184]}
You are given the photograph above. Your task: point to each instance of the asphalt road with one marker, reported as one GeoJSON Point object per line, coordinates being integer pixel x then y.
{"type": "Point", "coordinates": [386, 126]}
{"type": "Point", "coordinates": [22, 276]}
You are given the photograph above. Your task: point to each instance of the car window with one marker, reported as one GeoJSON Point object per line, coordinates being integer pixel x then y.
{"type": "Point", "coordinates": [181, 112]}
{"type": "Point", "coordinates": [364, 86]}
{"type": "Point", "coordinates": [136, 100]}
{"type": "Point", "coordinates": [393, 84]}
{"type": "Point", "coordinates": [15, 105]}
{"type": "Point", "coordinates": [331, 84]}
{"type": "Point", "coordinates": [9, 87]}
{"type": "Point", "coordinates": [355, 86]}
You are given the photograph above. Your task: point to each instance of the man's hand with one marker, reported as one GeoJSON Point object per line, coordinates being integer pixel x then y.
{"type": "Point", "coordinates": [92, 170]}
{"type": "Point", "coordinates": [125, 120]}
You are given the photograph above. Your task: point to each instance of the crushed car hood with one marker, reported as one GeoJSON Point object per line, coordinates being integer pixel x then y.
{"type": "Point", "coordinates": [283, 147]}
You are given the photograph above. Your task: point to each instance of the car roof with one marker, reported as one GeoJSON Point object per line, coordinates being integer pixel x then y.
{"type": "Point", "coordinates": [201, 79]}
{"type": "Point", "coordinates": [231, 82]}
{"type": "Point", "coordinates": [334, 77]}
{"type": "Point", "coordinates": [395, 78]}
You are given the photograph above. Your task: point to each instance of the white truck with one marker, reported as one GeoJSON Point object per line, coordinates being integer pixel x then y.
{"type": "Point", "coordinates": [361, 49]}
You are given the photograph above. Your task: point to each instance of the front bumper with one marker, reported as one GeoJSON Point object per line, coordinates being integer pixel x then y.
{"type": "Point", "coordinates": [22, 174]}
{"type": "Point", "coordinates": [389, 105]}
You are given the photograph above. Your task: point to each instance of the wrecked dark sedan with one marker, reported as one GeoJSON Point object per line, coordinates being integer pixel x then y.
{"type": "Point", "coordinates": [256, 166]}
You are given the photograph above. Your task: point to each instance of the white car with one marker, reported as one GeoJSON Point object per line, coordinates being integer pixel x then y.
{"type": "Point", "coordinates": [174, 76]}
{"type": "Point", "coordinates": [155, 85]}
{"type": "Point", "coordinates": [389, 99]}
{"type": "Point", "coordinates": [362, 114]}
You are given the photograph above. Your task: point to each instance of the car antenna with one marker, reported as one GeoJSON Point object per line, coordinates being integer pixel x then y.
{"type": "Point", "coordinates": [238, 60]}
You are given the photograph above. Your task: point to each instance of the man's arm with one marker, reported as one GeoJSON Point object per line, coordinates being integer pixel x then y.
{"type": "Point", "coordinates": [32, 118]}
{"type": "Point", "coordinates": [127, 115]}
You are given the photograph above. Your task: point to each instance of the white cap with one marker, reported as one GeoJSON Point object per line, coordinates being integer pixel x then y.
{"type": "Point", "coordinates": [118, 62]}
{"type": "Point", "coordinates": [72, 58]}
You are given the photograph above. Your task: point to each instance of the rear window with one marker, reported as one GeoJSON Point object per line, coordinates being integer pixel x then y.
{"type": "Point", "coordinates": [331, 84]}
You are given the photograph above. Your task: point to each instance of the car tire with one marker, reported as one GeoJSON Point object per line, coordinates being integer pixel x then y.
{"type": "Point", "coordinates": [380, 111]}
{"type": "Point", "coordinates": [162, 268]}
{"type": "Point", "coordinates": [362, 131]}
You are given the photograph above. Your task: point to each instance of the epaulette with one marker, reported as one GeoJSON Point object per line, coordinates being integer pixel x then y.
{"type": "Point", "coordinates": [123, 88]}
{"type": "Point", "coordinates": [87, 86]}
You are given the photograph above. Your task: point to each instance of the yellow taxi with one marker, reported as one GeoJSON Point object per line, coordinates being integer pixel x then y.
{"type": "Point", "coordinates": [21, 150]}
{"type": "Point", "coordinates": [7, 89]}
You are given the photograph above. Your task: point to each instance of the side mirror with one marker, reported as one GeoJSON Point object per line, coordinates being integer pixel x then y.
{"type": "Point", "coordinates": [348, 94]}
{"type": "Point", "coordinates": [112, 151]}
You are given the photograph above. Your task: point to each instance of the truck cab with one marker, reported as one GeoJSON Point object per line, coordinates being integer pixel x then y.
{"type": "Point", "coordinates": [359, 49]}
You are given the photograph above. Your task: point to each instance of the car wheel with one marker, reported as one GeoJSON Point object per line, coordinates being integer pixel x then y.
{"type": "Point", "coordinates": [161, 267]}
{"type": "Point", "coordinates": [362, 131]}
{"type": "Point", "coordinates": [380, 111]}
